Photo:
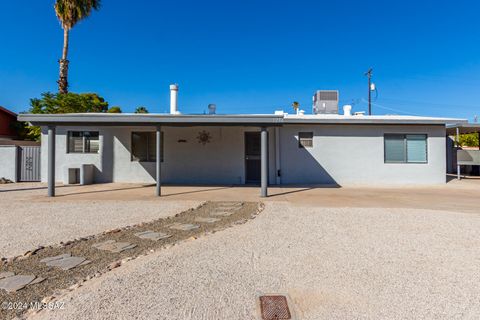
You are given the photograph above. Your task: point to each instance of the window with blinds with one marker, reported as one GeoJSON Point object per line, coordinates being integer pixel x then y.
{"type": "Point", "coordinates": [406, 148]}
{"type": "Point", "coordinates": [144, 146]}
{"type": "Point", "coordinates": [305, 139]}
{"type": "Point", "coordinates": [83, 142]}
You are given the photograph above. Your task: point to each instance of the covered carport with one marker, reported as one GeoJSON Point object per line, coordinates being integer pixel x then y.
{"type": "Point", "coordinates": [157, 121]}
{"type": "Point", "coordinates": [458, 156]}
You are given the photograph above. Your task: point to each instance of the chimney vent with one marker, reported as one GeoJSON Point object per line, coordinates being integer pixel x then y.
{"type": "Point", "coordinates": [174, 99]}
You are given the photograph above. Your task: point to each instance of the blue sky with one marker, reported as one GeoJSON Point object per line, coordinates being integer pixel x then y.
{"type": "Point", "coordinates": [251, 56]}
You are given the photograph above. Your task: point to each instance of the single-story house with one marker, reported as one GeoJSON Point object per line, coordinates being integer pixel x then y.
{"type": "Point", "coordinates": [237, 149]}
{"type": "Point", "coordinates": [269, 149]}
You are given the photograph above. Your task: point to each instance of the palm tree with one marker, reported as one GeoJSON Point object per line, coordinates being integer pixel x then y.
{"type": "Point", "coordinates": [69, 12]}
{"type": "Point", "coordinates": [295, 106]}
{"type": "Point", "coordinates": [141, 109]}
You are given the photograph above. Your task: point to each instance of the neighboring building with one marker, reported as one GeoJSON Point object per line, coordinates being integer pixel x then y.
{"type": "Point", "coordinates": [327, 149]}
{"type": "Point", "coordinates": [19, 159]}
{"type": "Point", "coordinates": [8, 119]}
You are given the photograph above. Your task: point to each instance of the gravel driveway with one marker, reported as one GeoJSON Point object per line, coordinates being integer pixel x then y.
{"type": "Point", "coordinates": [28, 221]}
{"type": "Point", "coordinates": [334, 263]}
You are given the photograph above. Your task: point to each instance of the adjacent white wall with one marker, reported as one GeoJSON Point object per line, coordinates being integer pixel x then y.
{"type": "Point", "coordinates": [354, 154]}
{"type": "Point", "coordinates": [222, 161]}
{"type": "Point", "coordinates": [8, 162]}
{"type": "Point", "coordinates": [342, 154]}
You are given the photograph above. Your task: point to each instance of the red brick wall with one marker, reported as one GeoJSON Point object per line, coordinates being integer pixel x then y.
{"type": "Point", "coordinates": [6, 119]}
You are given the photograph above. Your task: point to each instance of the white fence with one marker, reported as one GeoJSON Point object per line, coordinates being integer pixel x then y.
{"type": "Point", "coordinates": [9, 162]}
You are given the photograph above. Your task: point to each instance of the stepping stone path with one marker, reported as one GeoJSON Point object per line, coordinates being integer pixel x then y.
{"type": "Point", "coordinates": [222, 213]}
{"type": "Point", "coordinates": [65, 261]}
{"type": "Point", "coordinates": [113, 246]}
{"type": "Point", "coordinates": [11, 282]}
{"type": "Point", "coordinates": [207, 220]}
{"type": "Point", "coordinates": [6, 274]}
{"type": "Point", "coordinates": [150, 235]}
{"type": "Point", "coordinates": [184, 226]}
{"type": "Point", "coordinates": [227, 207]}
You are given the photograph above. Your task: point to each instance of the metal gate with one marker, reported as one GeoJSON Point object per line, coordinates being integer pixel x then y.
{"type": "Point", "coordinates": [29, 163]}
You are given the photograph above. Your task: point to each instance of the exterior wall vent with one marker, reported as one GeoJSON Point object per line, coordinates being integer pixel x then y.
{"type": "Point", "coordinates": [325, 102]}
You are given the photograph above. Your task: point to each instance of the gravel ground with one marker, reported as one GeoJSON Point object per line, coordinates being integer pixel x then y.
{"type": "Point", "coordinates": [334, 263]}
{"type": "Point", "coordinates": [101, 261]}
{"type": "Point", "coordinates": [27, 223]}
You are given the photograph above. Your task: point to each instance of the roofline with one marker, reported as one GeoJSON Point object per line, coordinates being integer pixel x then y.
{"type": "Point", "coordinates": [8, 111]}
{"type": "Point", "coordinates": [463, 128]}
{"type": "Point", "coordinates": [123, 119]}
{"type": "Point", "coordinates": [365, 120]}
{"type": "Point", "coordinates": [150, 119]}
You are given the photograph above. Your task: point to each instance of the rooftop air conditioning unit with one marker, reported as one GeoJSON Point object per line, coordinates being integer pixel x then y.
{"type": "Point", "coordinates": [325, 102]}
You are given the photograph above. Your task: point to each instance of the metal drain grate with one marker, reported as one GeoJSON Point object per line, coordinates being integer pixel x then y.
{"type": "Point", "coordinates": [274, 308]}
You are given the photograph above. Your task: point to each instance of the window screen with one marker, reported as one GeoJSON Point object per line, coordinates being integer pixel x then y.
{"type": "Point", "coordinates": [144, 146]}
{"type": "Point", "coordinates": [83, 142]}
{"type": "Point", "coordinates": [401, 148]}
{"type": "Point", "coordinates": [305, 139]}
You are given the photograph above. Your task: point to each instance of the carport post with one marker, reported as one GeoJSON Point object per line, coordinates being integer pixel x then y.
{"type": "Point", "coordinates": [457, 138]}
{"type": "Point", "coordinates": [264, 162]}
{"type": "Point", "coordinates": [51, 161]}
{"type": "Point", "coordinates": [158, 190]}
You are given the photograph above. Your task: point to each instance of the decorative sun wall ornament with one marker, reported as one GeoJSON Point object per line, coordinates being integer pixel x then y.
{"type": "Point", "coordinates": [204, 137]}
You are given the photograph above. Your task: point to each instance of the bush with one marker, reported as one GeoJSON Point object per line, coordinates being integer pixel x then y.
{"type": "Point", "coordinates": [51, 103]}
{"type": "Point", "coordinates": [469, 140]}
{"type": "Point", "coordinates": [115, 109]}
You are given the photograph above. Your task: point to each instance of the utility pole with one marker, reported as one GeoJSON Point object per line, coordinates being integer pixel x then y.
{"type": "Point", "coordinates": [369, 76]}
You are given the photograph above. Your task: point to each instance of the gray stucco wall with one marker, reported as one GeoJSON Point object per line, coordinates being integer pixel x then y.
{"type": "Point", "coordinates": [354, 154]}
{"type": "Point", "coordinates": [342, 154]}
{"type": "Point", "coordinates": [8, 162]}
{"type": "Point", "coordinates": [221, 161]}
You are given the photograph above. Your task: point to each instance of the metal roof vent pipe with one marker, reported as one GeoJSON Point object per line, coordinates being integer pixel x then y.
{"type": "Point", "coordinates": [174, 99]}
{"type": "Point", "coordinates": [212, 108]}
{"type": "Point", "coordinates": [347, 110]}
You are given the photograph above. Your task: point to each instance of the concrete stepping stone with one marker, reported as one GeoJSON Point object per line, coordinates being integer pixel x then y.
{"type": "Point", "coordinates": [6, 274]}
{"type": "Point", "coordinates": [151, 235]}
{"type": "Point", "coordinates": [223, 207]}
{"type": "Point", "coordinates": [207, 220]}
{"type": "Point", "coordinates": [222, 213]}
{"type": "Point", "coordinates": [37, 280]}
{"type": "Point", "coordinates": [184, 226]}
{"type": "Point", "coordinates": [113, 246]}
{"type": "Point", "coordinates": [64, 261]}
{"type": "Point", "coordinates": [15, 283]}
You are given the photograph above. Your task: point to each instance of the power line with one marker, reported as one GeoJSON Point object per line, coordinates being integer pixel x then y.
{"type": "Point", "coordinates": [431, 103]}
{"type": "Point", "coordinates": [393, 109]}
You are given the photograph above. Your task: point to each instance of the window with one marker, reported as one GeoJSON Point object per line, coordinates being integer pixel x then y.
{"type": "Point", "coordinates": [305, 139]}
{"type": "Point", "coordinates": [144, 146]}
{"type": "Point", "coordinates": [83, 142]}
{"type": "Point", "coordinates": [405, 148]}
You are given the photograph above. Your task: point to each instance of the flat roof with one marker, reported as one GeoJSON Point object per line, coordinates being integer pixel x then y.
{"type": "Point", "coordinates": [364, 119]}
{"type": "Point", "coordinates": [151, 119]}
{"type": "Point", "coordinates": [463, 128]}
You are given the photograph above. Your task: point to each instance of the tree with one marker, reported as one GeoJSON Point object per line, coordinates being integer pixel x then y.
{"type": "Point", "coordinates": [62, 103]}
{"type": "Point", "coordinates": [70, 12]}
{"type": "Point", "coordinates": [115, 109]}
{"type": "Point", "coordinates": [469, 140]}
{"type": "Point", "coordinates": [141, 110]}
{"type": "Point", "coordinates": [68, 103]}
{"type": "Point", "coordinates": [295, 105]}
